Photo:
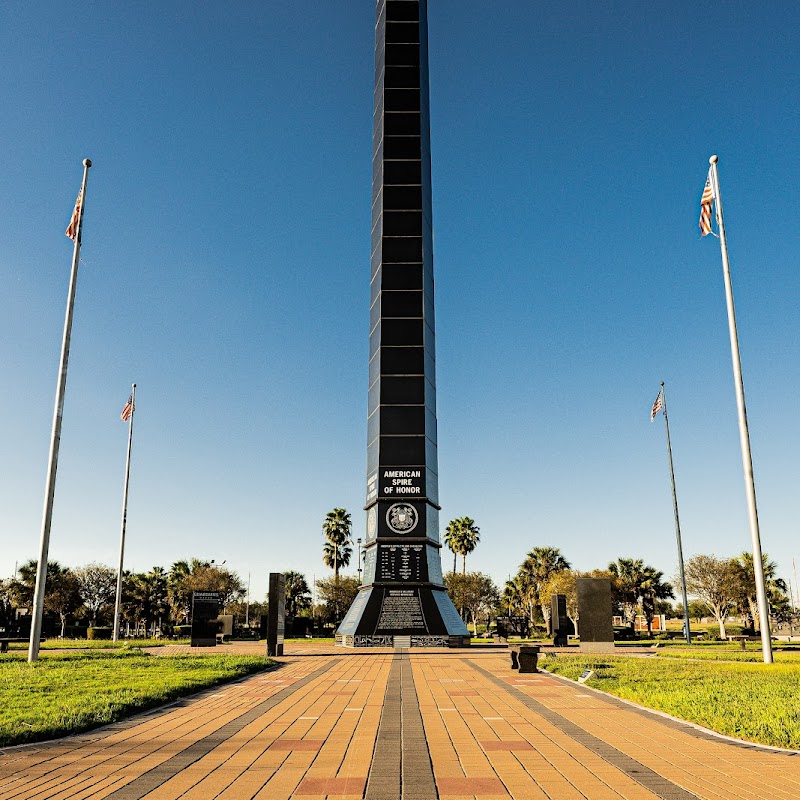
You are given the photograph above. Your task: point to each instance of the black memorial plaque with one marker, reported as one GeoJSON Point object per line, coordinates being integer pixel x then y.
{"type": "Point", "coordinates": [594, 615]}
{"type": "Point", "coordinates": [402, 497]}
{"type": "Point", "coordinates": [401, 562]}
{"type": "Point", "coordinates": [401, 610]}
{"type": "Point", "coordinates": [205, 618]}
{"type": "Point", "coordinates": [276, 616]}
{"type": "Point", "coordinates": [559, 620]}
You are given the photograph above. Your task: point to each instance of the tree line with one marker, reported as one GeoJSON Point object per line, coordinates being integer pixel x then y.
{"type": "Point", "coordinates": [85, 596]}
{"type": "Point", "coordinates": [727, 586]}
{"type": "Point", "coordinates": [722, 586]}
{"type": "Point", "coordinates": [160, 599]}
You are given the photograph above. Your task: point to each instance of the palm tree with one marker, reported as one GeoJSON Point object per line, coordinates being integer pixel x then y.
{"type": "Point", "coordinates": [452, 540]}
{"type": "Point", "coordinates": [525, 592]}
{"type": "Point", "coordinates": [512, 600]}
{"type": "Point", "coordinates": [297, 592]}
{"type": "Point", "coordinates": [634, 581]}
{"type": "Point", "coordinates": [629, 574]}
{"type": "Point", "coordinates": [653, 588]}
{"type": "Point", "coordinates": [746, 578]}
{"type": "Point", "coordinates": [462, 536]}
{"type": "Point", "coordinates": [534, 572]}
{"type": "Point", "coordinates": [337, 530]}
{"type": "Point", "coordinates": [21, 589]}
{"type": "Point", "coordinates": [147, 598]}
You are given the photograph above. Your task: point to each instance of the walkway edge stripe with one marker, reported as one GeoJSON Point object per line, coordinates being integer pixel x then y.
{"type": "Point", "coordinates": [148, 781]}
{"type": "Point", "coordinates": [645, 776]}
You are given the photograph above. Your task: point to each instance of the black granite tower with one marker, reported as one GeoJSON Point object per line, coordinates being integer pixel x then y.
{"type": "Point", "coordinates": [402, 601]}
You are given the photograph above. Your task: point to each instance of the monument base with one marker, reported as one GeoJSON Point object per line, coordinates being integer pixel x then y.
{"type": "Point", "coordinates": [400, 617]}
{"type": "Point", "coordinates": [402, 642]}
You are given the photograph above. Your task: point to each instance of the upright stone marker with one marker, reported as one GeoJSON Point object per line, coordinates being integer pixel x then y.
{"type": "Point", "coordinates": [559, 620]}
{"type": "Point", "coordinates": [205, 610]}
{"type": "Point", "coordinates": [402, 600]}
{"type": "Point", "coordinates": [594, 615]}
{"type": "Point", "coordinates": [276, 618]}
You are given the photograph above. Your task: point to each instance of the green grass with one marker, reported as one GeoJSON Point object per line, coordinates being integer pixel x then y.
{"type": "Point", "coordinates": [66, 693]}
{"type": "Point", "coordinates": [756, 702]}
{"type": "Point", "coordinates": [731, 653]}
{"type": "Point", "coordinates": [96, 644]}
{"type": "Point", "coordinates": [313, 640]}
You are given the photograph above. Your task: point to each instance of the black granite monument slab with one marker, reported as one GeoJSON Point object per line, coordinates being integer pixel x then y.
{"type": "Point", "coordinates": [594, 615]}
{"type": "Point", "coordinates": [559, 620]}
{"type": "Point", "coordinates": [402, 600]}
{"type": "Point", "coordinates": [205, 612]}
{"type": "Point", "coordinates": [276, 616]}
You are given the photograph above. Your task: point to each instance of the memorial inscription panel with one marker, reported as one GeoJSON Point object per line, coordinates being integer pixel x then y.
{"type": "Point", "coordinates": [401, 609]}
{"type": "Point", "coordinates": [401, 562]}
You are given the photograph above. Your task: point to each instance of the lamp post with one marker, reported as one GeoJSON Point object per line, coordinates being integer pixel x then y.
{"type": "Point", "coordinates": [358, 542]}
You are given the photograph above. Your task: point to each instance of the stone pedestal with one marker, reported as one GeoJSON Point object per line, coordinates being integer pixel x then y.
{"type": "Point", "coordinates": [525, 658]}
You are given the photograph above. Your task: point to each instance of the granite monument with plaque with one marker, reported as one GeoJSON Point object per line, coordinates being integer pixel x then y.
{"type": "Point", "coordinates": [205, 624]}
{"type": "Point", "coordinates": [402, 600]}
{"type": "Point", "coordinates": [594, 615]}
{"type": "Point", "coordinates": [276, 614]}
{"type": "Point", "coordinates": [559, 620]}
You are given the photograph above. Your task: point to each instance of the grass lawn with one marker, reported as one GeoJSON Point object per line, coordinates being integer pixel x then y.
{"type": "Point", "coordinates": [96, 644]}
{"type": "Point", "coordinates": [752, 701]}
{"type": "Point", "coordinates": [65, 693]}
{"type": "Point", "coordinates": [786, 655]}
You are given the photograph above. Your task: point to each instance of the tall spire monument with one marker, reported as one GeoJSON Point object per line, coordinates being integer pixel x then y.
{"type": "Point", "coordinates": [402, 601]}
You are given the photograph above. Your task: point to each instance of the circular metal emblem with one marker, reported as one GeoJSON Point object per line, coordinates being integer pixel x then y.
{"type": "Point", "coordinates": [402, 518]}
{"type": "Point", "coordinates": [372, 522]}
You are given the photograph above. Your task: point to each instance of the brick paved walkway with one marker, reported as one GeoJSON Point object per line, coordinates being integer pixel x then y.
{"type": "Point", "coordinates": [398, 725]}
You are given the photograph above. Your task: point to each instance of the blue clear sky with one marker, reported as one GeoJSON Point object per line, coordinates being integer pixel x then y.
{"type": "Point", "coordinates": [225, 270]}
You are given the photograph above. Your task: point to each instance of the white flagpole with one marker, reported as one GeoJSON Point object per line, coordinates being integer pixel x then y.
{"type": "Point", "coordinates": [687, 631]}
{"type": "Point", "coordinates": [118, 601]}
{"type": "Point", "coordinates": [744, 436]}
{"type": "Point", "coordinates": [55, 439]}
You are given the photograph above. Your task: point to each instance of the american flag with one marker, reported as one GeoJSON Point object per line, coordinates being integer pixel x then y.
{"type": "Point", "coordinates": [72, 228]}
{"type": "Point", "coordinates": [658, 405]}
{"type": "Point", "coordinates": [706, 201]}
{"type": "Point", "coordinates": [127, 410]}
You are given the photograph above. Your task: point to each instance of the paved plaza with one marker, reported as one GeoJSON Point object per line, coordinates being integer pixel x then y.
{"type": "Point", "coordinates": [398, 725]}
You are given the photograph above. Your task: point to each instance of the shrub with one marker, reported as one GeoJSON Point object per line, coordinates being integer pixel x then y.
{"type": "Point", "coordinates": [98, 633]}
